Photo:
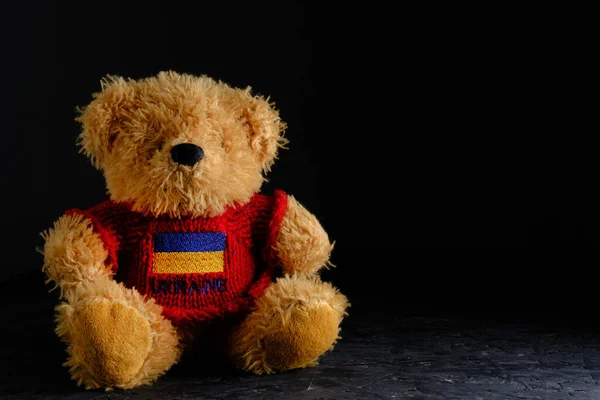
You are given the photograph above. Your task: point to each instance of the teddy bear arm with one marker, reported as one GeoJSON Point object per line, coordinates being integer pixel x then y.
{"type": "Point", "coordinates": [74, 253]}
{"type": "Point", "coordinates": [301, 245]}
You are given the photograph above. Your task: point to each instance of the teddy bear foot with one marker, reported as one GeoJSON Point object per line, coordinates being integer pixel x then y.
{"type": "Point", "coordinates": [297, 342]}
{"type": "Point", "coordinates": [114, 338]}
{"type": "Point", "coordinates": [294, 323]}
{"type": "Point", "coordinates": [114, 341]}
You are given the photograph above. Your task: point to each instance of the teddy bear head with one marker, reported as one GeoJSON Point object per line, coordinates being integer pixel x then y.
{"type": "Point", "coordinates": [180, 145]}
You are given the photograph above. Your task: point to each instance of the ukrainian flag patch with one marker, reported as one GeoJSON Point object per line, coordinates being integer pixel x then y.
{"type": "Point", "coordinates": [189, 252]}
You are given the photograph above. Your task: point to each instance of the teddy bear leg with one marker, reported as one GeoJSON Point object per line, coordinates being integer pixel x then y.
{"type": "Point", "coordinates": [114, 337]}
{"type": "Point", "coordinates": [293, 324]}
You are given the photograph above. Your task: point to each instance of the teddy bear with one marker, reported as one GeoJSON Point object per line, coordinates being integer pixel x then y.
{"type": "Point", "coordinates": [187, 238]}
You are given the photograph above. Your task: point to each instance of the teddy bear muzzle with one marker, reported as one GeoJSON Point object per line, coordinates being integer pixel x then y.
{"type": "Point", "coordinates": [187, 154]}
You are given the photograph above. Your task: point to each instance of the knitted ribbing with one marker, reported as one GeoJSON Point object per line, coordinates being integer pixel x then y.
{"type": "Point", "coordinates": [248, 260]}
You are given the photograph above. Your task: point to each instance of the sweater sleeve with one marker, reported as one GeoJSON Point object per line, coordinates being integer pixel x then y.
{"type": "Point", "coordinates": [268, 212]}
{"type": "Point", "coordinates": [279, 206]}
{"type": "Point", "coordinates": [107, 234]}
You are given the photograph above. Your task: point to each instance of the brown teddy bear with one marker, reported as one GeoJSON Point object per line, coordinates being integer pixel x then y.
{"type": "Point", "coordinates": [186, 239]}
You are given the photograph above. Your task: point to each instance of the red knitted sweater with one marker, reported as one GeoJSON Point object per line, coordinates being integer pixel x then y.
{"type": "Point", "coordinates": [196, 268]}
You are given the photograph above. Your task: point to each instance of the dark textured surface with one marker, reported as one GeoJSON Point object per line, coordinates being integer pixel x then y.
{"type": "Point", "coordinates": [380, 357]}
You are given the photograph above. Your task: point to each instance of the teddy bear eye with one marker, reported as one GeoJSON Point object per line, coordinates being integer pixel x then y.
{"type": "Point", "coordinates": [153, 148]}
{"type": "Point", "coordinates": [111, 139]}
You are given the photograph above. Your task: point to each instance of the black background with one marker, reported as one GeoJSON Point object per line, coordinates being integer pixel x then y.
{"type": "Point", "coordinates": [446, 150]}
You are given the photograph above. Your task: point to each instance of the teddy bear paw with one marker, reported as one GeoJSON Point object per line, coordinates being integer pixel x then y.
{"type": "Point", "coordinates": [294, 323]}
{"type": "Point", "coordinates": [111, 343]}
{"type": "Point", "coordinates": [299, 340]}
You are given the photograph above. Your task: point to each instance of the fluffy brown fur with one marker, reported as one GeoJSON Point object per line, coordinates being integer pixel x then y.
{"type": "Point", "coordinates": [73, 253]}
{"type": "Point", "coordinates": [130, 127]}
{"type": "Point", "coordinates": [294, 322]}
{"type": "Point", "coordinates": [117, 339]}
{"type": "Point", "coordinates": [302, 244]}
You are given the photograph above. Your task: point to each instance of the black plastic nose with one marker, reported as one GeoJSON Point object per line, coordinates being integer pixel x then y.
{"type": "Point", "coordinates": [187, 154]}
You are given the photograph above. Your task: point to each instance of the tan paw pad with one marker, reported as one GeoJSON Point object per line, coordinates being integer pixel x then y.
{"type": "Point", "coordinates": [114, 340]}
{"type": "Point", "coordinates": [308, 332]}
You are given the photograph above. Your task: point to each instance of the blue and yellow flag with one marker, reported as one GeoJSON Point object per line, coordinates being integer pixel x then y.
{"type": "Point", "coordinates": [189, 253]}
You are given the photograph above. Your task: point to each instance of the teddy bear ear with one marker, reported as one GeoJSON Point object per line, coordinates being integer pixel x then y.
{"type": "Point", "coordinates": [100, 118]}
{"type": "Point", "coordinates": [266, 129]}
